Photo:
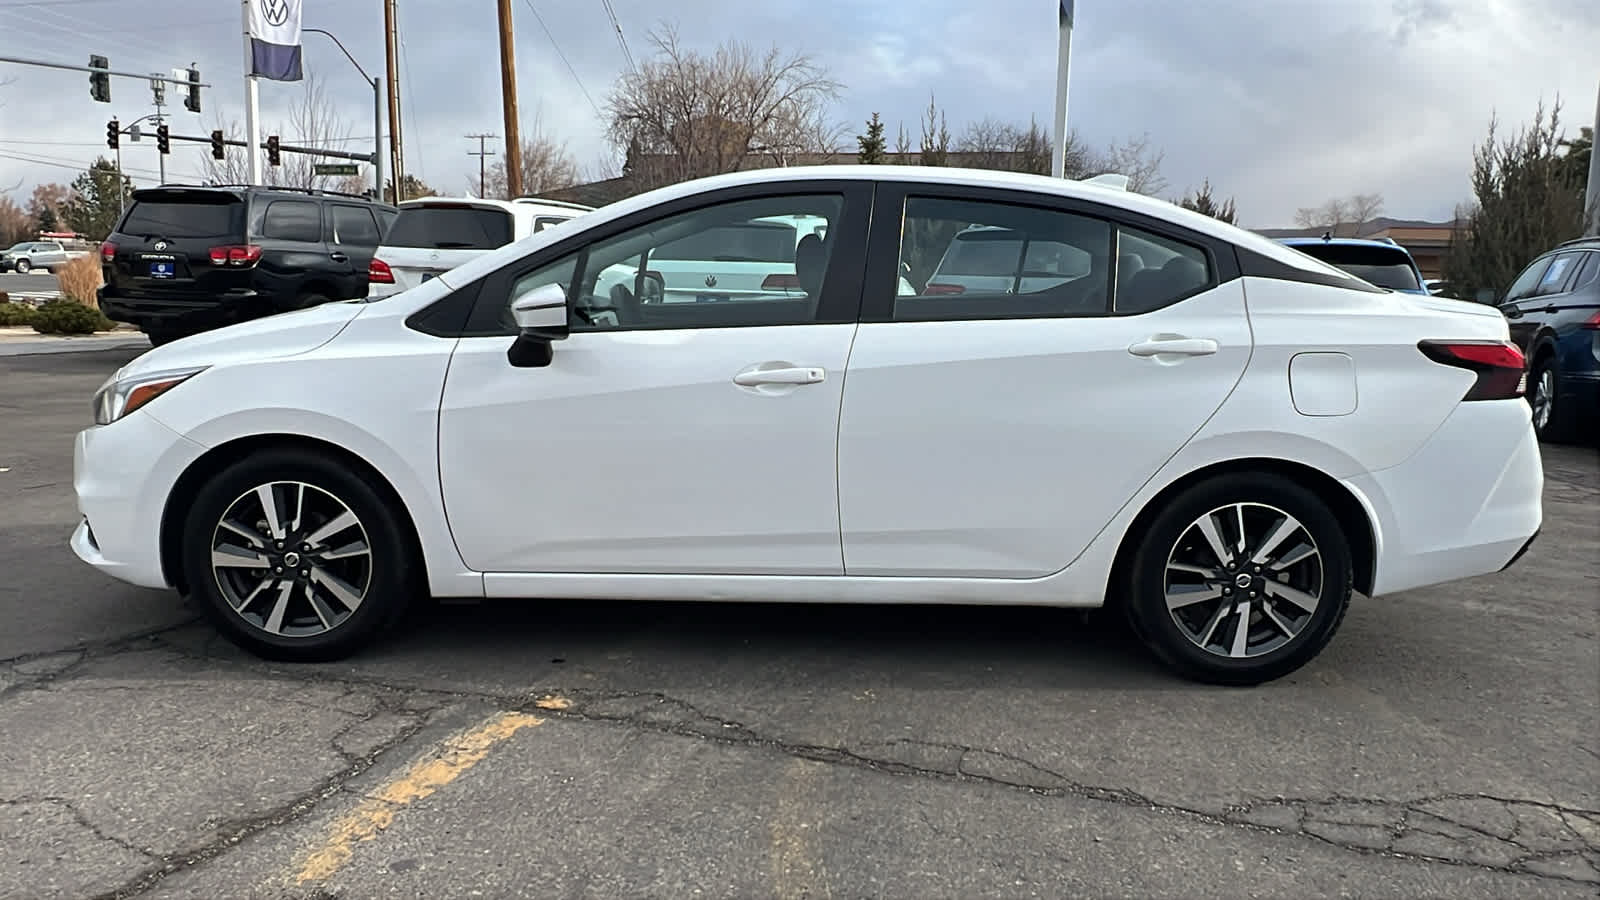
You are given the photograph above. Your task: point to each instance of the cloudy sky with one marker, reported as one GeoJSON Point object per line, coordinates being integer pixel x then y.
{"type": "Point", "coordinates": [1281, 103]}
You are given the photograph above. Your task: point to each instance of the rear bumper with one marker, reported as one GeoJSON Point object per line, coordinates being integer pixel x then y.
{"type": "Point", "coordinates": [183, 313]}
{"type": "Point", "coordinates": [1468, 503]}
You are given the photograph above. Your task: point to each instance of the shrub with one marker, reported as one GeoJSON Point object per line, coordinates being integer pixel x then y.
{"type": "Point", "coordinates": [14, 314]}
{"type": "Point", "coordinates": [79, 279]}
{"type": "Point", "coordinates": [69, 317]}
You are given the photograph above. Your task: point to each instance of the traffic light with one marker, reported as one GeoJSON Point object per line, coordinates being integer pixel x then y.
{"type": "Point", "coordinates": [113, 129]}
{"type": "Point", "coordinates": [272, 150]}
{"type": "Point", "coordinates": [192, 101]}
{"type": "Point", "coordinates": [99, 82]}
{"type": "Point", "coordinates": [216, 144]}
{"type": "Point", "coordinates": [162, 145]}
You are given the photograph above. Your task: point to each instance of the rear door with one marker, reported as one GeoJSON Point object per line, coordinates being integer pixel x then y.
{"type": "Point", "coordinates": [352, 235]}
{"type": "Point", "coordinates": [293, 253]}
{"type": "Point", "coordinates": [993, 433]}
{"type": "Point", "coordinates": [434, 237]}
{"type": "Point", "coordinates": [167, 240]}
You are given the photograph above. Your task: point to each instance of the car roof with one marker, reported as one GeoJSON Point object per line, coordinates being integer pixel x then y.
{"type": "Point", "coordinates": [1102, 192]}
{"type": "Point", "coordinates": [241, 190]}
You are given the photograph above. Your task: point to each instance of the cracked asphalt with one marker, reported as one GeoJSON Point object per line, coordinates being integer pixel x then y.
{"type": "Point", "coordinates": [1447, 744]}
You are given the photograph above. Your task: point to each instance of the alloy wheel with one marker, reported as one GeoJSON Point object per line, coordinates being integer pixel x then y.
{"type": "Point", "coordinates": [1243, 580]}
{"type": "Point", "coordinates": [291, 559]}
{"type": "Point", "coordinates": [1544, 395]}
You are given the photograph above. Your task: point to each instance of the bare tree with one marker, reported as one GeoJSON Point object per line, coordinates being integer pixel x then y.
{"type": "Point", "coordinates": [1136, 159]}
{"type": "Point", "coordinates": [547, 165]}
{"type": "Point", "coordinates": [1341, 216]}
{"type": "Point", "coordinates": [684, 114]}
{"type": "Point", "coordinates": [935, 135]}
{"type": "Point", "coordinates": [902, 143]}
{"type": "Point", "coordinates": [313, 122]}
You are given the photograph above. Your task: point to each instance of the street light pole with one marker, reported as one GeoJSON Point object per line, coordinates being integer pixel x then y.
{"type": "Point", "coordinates": [377, 110]}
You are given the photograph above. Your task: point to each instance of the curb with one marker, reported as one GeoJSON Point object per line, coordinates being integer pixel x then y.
{"type": "Point", "coordinates": [74, 344]}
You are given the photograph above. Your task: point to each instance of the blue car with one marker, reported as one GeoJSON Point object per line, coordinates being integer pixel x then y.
{"type": "Point", "coordinates": [1553, 308]}
{"type": "Point", "coordinates": [1378, 261]}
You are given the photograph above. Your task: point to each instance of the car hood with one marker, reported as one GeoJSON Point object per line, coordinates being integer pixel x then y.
{"type": "Point", "coordinates": [284, 334]}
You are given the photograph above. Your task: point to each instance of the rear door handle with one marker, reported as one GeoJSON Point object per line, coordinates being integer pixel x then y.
{"type": "Point", "coordinates": [336, 256]}
{"type": "Point", "coordinates": [1175, 346]}
{"type": "Point", "coordinates": [794, 375]}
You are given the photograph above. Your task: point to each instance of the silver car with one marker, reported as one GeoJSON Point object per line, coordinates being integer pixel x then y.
{"type": "Point", "coordinates": [30, 255]}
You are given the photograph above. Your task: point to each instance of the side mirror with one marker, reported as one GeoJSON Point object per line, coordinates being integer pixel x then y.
{"type": "Point", "coordinates": [1484, 295]}
{"type": "Point", "coordinates": [652, 287]}
{"type": "Point", "coordinates": [541, 316]}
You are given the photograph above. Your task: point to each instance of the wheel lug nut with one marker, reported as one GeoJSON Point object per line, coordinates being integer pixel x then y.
{"type": "Point", "coordinates": [1252, 593]}
{"type": "Point", "coordinates": [277, 570]}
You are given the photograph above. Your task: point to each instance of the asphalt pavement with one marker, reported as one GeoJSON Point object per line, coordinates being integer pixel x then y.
{"type": "Point", "coordinates": [33, 282]}
{"type": "Point", "coordinates": [1446, 744]}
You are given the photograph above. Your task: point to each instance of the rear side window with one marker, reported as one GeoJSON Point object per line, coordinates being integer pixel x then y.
{"type": "Point", "coordinates": [1589, 273]}
{"type": "Point", "coordinates": [1386, 267]}
{"type": "Point", "coordinates": [1556, 276]}
{"type": "Point", "coordinates": [212, 217]}
{"type": "Point", "coordinates": [292, 220]}
{"type": "Point", "coordinates": [1153, 271]}
{"type": "Point", "coordinates": [450, 228]}
{"type": "Point", "coordinates": [770, 242]}
{"type": "Point", "coordinates": [354, 225]}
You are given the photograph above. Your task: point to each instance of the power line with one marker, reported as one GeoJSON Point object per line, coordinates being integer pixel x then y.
{"type": "Point", "coordinates": [563, 56]}
{"type": "Point", "coordinates": [622, 41]}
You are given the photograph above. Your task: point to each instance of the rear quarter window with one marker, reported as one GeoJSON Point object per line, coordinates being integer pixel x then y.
{"type": "Point", "coordinates": [1386, 267]}
{"type": "Point", "coordinates": [450, 228]}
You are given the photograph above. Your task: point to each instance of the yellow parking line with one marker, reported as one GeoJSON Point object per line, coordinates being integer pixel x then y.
{"type": "Point", "coordinates": [454, 757]}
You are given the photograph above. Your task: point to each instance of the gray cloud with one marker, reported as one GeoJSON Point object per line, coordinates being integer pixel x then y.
{"type": "Point", "coordinates": [1282, 103]}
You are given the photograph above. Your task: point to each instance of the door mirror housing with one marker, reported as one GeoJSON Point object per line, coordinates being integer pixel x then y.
{"type": "Point", "coordinates": [541, 316]}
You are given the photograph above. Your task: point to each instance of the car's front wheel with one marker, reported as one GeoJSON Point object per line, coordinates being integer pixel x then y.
{"type": "Point", "coordinates": [1241, 579]}
{"type": "Point", "coordinates": [23, 266]}
{"type": "Point", "coordinates": [296, 557]}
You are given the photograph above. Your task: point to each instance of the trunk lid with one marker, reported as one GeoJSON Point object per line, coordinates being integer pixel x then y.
{"type": "Point", "coordinates": [164, 244]}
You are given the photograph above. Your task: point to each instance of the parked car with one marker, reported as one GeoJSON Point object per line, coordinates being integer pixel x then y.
{"type": "Point", "coordinates": [1380, 261]}
{"type": "Point", "coordinates": [1224, 474]}
{"type": "Point", "coordinates": [187, 259]}
{"type": "Point", "coordinates": [29, 255]}
{"type": "Point", "coordinates": [433, 235]}
{"type": "Point", "coordinates": [1553, 308]}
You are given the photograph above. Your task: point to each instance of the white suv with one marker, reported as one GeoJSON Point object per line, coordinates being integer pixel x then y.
{"type": "Point", "coordinates": [435, 234]}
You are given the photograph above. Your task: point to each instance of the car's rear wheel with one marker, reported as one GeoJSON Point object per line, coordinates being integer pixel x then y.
{"type": "Point", "coordinates": [296, 557]}
{"type": "Point", "coordinates": [1550, 419]}
{"type": "Point", "coordinates": [1241, 579]}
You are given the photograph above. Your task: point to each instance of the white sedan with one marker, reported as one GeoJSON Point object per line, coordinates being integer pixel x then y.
{"type": "Point", "coordinates": [1209, 431]}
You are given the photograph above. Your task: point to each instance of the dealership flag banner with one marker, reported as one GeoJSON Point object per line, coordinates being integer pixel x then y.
{"type": "Point", "coordinates": [274, 31]}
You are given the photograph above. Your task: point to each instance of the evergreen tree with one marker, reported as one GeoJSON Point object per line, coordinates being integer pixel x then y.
{"type": "Point", "coordinates": [873, 146]}
{"type": "Point", "coordinates": [99, 195]}
{"type": "Point", "coordinates": [1203, 202]}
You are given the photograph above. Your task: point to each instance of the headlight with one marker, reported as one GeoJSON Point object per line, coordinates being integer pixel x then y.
{"type": "Point", "coordinates": [118, 397]}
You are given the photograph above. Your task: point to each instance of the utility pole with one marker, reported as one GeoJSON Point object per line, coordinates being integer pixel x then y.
{"type": "Point", "coordinates": [390, 49]}
{"type": "Point", "coordinates": [482, 154]}
{"type": "Point", "coordinates": [508, 87]}
{"type": "Point", "coordinates": [158, 94]}
{"type": "Point", "coordinates": [1591, 197]}
{"type": "Point", "coordinates": [1058, 158]}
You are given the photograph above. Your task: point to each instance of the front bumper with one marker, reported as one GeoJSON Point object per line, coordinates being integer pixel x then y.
{"type": "Point", "coordinates": [123, 474]}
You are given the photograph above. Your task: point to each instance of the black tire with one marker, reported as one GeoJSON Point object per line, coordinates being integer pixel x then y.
{"type": "Point", "coordinates": [389, 573]}
{"type": "Point", "coordinates": [1544, 378]}
{"type": "Point", "coordinates": [1265, 497]}
{"type": "Point", "coordinates": [23, 266]}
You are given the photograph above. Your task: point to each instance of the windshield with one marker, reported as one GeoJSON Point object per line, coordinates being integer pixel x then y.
{"type": "Point", "coordinates": [450, 228]}
{"type": "Point", "coordinates": [747, 242]}
{"type": "Point", "coordinates": [211, 217]}
{"type": "Point", "coordinates": [19, 247]}
{"type": "Point", "coordinates": [1383, 266]}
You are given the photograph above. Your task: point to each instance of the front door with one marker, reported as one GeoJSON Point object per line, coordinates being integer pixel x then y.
{"type": "Point", "coordinates": [994, 430]}
{"type": "Point", "coordinates": [684, 437]}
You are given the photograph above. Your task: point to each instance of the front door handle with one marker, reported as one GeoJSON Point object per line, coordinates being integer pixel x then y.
{"type": "Point", "coordinates": [792, 375]}
{"type": "Point", "coordinates": [1177, 346]}
{"type": "Point", "coordinates": [336, 256]}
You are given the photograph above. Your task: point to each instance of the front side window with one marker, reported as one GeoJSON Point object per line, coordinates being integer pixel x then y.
{"type": "Point", "coordinates": [741, 263]}
{"type": "Point", "coordinates": [292, 220]}
{"type": "Point", "coordinates": [1527, 281]}
{"type": "Point", "coordinates": [967, 259]}
{"type": "Point", "coordinates": [1154, 272]}
{"type": "Point", "coordinates": [1589, 273]}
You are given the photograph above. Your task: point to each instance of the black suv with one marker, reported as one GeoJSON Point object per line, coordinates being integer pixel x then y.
{"type": "Point", "coordinates": [1553, 308]}
{"type": "Point", "coordinates": [187, 259]}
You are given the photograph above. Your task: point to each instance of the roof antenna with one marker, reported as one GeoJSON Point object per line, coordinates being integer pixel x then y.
{"type": "Point", "coordinates": [1327, 235]}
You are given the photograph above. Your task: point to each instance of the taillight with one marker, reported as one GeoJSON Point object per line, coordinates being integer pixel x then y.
{"type": "Point", "coordinates": [1501, 368]}
{"type": "Point", "coordinates": [779, 281]}
{"type": "Point", "coordinates": [943, 289]}
{"type": "Point", "coordinates": [235, 255]}
{"type": "Point", "coordinates": [1592, 323]}
{"type": "Point", "coordinates": [108, 251]}
{"type": "Point", "coordinates": [378, 272]}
